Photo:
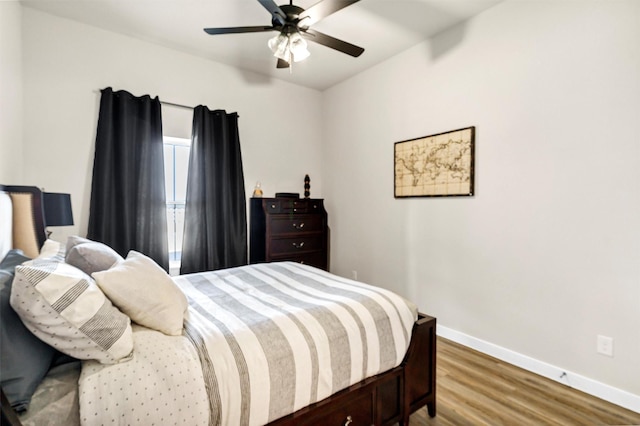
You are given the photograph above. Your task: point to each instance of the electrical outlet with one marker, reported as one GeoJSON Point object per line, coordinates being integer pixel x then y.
{"type": "Point", "coordinates": [354, 275]}
{"type": "Point", "coordinates": [605, 345]}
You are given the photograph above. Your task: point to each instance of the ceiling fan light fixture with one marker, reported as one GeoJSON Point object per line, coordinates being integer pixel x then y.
{"type": "Point", "coordinates": [298, 47]}
{"type": "Point", "coordinates": [287, 46]}
{"type": "Point", "coordinates": [278, 41]}
{"type": "Point", "coordinates": [279, 45]}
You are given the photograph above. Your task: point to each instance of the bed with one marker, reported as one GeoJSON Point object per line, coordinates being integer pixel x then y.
{"type": "Point", "coordinates": [378, 368]}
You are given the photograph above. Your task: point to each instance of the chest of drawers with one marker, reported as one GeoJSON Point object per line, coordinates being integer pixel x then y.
{"type": "Point", "coordinates": [289, 229]}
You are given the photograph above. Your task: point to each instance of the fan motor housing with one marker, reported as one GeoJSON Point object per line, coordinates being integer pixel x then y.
{"type": "Point", "coordinates": [292, 12]}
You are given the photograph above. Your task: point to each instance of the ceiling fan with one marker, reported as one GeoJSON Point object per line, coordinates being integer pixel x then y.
{"type": "Point", "coordinates": [293, 25]}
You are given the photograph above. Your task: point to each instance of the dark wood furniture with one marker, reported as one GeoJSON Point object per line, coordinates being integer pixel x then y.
{"type": "Point", "coordinates": [387, 398]}
{"type": "Point", "coordinates": [289, 229]}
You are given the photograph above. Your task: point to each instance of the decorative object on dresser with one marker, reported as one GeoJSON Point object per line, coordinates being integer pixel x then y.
{"type": "Point", "coordinates": [289, 229]}
{"type": "Point", "coordinates": [307, 186]}
{"type": "Point", "coordinates": [257, 191]}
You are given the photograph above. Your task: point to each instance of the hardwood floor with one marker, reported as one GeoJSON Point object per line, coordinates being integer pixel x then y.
{"type": "Point", "coordinates": [476, 389]}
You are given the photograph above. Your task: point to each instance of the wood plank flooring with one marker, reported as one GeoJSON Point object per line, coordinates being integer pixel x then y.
{"type": "Point", "coordinates": [476, 389]}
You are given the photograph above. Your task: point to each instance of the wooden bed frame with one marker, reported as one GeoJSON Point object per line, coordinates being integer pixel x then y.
{"type": "Point", "coordinates": [385, 399]}
{"type": "Point", "coordinates": [28, 218]}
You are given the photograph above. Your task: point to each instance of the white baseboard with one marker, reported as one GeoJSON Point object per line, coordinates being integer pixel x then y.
{"type": "Point", "coordinates": [592, 387]}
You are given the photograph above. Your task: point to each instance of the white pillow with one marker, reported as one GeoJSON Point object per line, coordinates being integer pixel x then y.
{"type": "Point", "coordinates": [64, 307]}
{"type": "Point", "coordinates": [52, 250]}
{"type": "Point", "coordinates": [145, 292]}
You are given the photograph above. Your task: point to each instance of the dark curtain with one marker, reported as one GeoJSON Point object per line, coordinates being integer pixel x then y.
{"type": "Point", "coordinates": [215, 224]}
{"type": "Point", "coordinates": [128, 204]}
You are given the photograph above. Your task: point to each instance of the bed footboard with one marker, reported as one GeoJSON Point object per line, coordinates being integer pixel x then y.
{"type": "Point", "coordinates": [419, 369]}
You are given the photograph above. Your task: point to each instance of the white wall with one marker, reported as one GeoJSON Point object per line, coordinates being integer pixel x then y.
{"type": "Point", "coordinates": [65, 63]}
{"type": "Point", "coordinates": [546, 255]}
{"type": "Point", "coordinates": [10, 93]}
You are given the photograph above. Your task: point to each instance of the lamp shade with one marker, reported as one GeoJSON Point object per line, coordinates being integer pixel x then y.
{"type": "Point", "coordinates": [298, 47]}
{"type": "Point", "coordinates": [57, 209]}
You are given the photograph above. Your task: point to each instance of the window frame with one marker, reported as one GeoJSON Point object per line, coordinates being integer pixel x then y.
{"type": "Point", "coordinates": [171, 202]}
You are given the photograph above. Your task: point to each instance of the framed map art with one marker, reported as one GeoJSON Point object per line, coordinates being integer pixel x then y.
{"type": "Point", "coordinates": [438, 165]}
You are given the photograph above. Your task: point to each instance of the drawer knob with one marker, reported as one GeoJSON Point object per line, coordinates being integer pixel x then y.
{"type": "Point", "coordinates": [298, 245]}
{"type": "Point", "coordinates": [298, 225]}
{"type": "Point", "coordinates": [349, 421]}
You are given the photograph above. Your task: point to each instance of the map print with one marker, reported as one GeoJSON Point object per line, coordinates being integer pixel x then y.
{"type": "Point", "coordinates": [436, 165]}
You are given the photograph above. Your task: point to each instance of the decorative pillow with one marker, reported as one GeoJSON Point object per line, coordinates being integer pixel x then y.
{"type": "Point", "coordinates": [64, 307]}
{"type": "Point", "coordinates": [145, 292]}
{"type": "Point", "coordinates": [52, 250]}
{"type": "Point", "coordinates": [74, 240]}
{"type": "Point", "coordinates": [90, 256]}
{"type": "Point", "coordinates": [25, 358]}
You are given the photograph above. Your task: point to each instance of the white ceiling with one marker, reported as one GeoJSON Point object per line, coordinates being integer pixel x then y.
{"type": "Point", "coordinates": [382, 27]}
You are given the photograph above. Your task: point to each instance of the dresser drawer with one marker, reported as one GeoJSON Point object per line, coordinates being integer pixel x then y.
{"type": "Point", "coordinates": [357, 412]}
{"type": "Point", "coordinates": [285, 224]}
{"type": "Point", "coordinates": [293, 205]}
{"type": "Point", "coordinates": [295, 245]}
{"type": "Point", "coordinates": [314, 258]}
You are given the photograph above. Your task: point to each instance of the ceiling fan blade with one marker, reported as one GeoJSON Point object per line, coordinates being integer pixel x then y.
{"type": "Point", "coordinates": [322, 10]}
{"type": "Point", "coordinates": [332, 42]}
{"type": "Point", "coordinates": [236, 30]}
{"type": "Point", "coordinates": [276, 13]}
{"type": "Point", "coordinates": [282, 64]}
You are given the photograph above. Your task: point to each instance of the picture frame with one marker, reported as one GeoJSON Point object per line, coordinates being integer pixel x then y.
{"type": "Point", "coordinates": [439, 165]}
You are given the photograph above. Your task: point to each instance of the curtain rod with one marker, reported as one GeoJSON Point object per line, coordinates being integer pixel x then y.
{"type": "Point", "coordinates": [99, 91]}
{"type": "Point", "coordinates": [176, 105]}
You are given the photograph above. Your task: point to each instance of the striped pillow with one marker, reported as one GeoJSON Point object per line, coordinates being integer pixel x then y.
{"type": "Point", "coordinates": [64, 307]}
{"type": "Point", "coordinates": [52, 250]}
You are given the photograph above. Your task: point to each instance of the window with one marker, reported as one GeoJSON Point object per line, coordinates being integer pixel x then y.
{"type": "Point", "coordinates": [176, 165]}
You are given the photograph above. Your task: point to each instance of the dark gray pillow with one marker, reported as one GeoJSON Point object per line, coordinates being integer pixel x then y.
{"type": "Point", "coordinates": [25, 358]}
{"type": "Point", "coordinates": [90, 256]}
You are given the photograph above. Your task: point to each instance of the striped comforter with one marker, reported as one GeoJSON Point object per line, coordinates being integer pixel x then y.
{"type": "Point", "coordinates": [273, 338]}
